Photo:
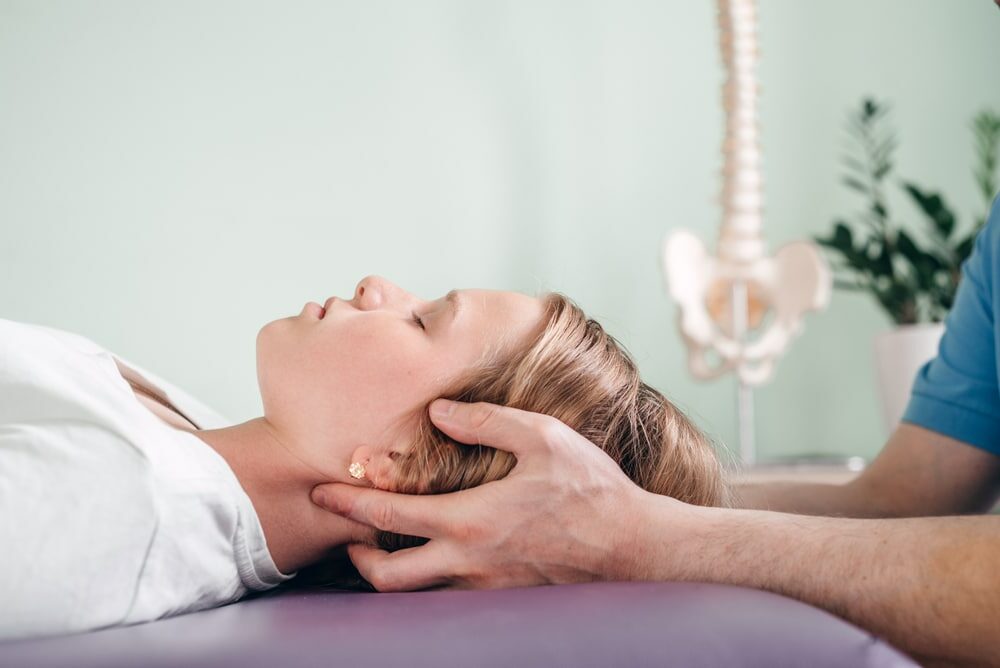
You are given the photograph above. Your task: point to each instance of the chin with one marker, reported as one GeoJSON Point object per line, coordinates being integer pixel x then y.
{"type": "Point", "coordinates": [263, 352]}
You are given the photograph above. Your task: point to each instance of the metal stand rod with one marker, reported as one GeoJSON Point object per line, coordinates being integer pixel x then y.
{"type": "Point", "coordinates": [744, 393]}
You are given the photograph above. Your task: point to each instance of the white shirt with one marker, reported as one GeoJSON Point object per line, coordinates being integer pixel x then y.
{"type": "Point", "coordinates": [108, 515]}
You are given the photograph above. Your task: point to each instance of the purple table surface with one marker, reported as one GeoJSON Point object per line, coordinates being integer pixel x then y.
{"type": "Point", "coordinates": [599, 624]}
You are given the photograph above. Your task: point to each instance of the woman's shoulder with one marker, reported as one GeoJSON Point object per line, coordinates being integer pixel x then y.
{"type": "Point", "coordinates": [76, 493]}
{"type": "Point", "coordinates": [46, 371]}
{"type": "Point", "coordinates": [29, 348]}
{"type": "Point", "coordinates": [26, 337]}
{"type": "Point", "coordinates": [41, 359]}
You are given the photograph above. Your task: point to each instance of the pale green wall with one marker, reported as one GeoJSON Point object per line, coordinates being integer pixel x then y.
{"type": "Point", "coordinates": [175, 174]}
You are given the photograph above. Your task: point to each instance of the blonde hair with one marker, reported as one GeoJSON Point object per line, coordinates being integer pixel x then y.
{"type": "Point", "coordinates": [578, 373]}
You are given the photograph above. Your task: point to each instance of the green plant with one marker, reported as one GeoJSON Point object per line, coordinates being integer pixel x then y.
{"type": "Point", "coordinates": [912, 276]}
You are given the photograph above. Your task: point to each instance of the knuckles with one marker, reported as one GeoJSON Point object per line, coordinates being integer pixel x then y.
{"type": "Point", "coordinates": [374, 568]}
{"type": "Point", "coordinates": [380, 578]}
{"type": "Point", "coordinates": [469, 532]}
{"type": "Point", "coordinates": [551, 434]}
{"type": "Point", "coordinates": [383, 515]}
{"type": "Point", "coordinates": [482, 415]}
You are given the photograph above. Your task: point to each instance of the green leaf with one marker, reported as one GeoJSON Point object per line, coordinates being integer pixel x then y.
{"type": "Point", "coordinates": [899, 300]}
{"type": "Point", "coordinates": [925, 265]}
{"type": "Point", "coordinates": [842, 241]}
{"type": "Point", "coordinates": [879, 255]}
{"type": "Point", "coordinates": [872, 109]}
{"type": "Point", "coordinates": [886, 146]}
{"type": "Point", "coordinates": [842, 236]}
{"type": "Point", "coordinates": [964, 248]}
{"type": "Point", "coordinates": [986, 139]}
{"type": "Point", "coordinates": [882, 170]}
{"type": "Point", "coordinates": [934, 207]}
{"type": "Point", "coordinates": [853, 164]}
{"type": "Point", "coordinates": [855, 184]}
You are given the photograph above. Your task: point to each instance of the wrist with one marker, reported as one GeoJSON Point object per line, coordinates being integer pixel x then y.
{"type": "Point", "coordinates": [660, 538]}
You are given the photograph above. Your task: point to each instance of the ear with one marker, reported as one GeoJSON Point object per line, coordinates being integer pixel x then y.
{"type": "Point", "coordinates": [380, 468]}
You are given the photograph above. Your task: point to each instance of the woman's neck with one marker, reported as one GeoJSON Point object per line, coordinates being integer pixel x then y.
{"type": "Point", "coordinates": [298, 533]}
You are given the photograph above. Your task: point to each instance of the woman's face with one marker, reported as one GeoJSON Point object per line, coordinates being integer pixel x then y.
{"type": "Point", "coordinates": [353, 377]}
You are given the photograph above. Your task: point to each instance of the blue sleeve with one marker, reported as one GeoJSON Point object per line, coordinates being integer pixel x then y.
{"type": "Point", "coordinates": [956, 393]}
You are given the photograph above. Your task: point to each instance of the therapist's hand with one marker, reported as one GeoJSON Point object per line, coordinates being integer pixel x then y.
{"type": "Point", "coordinates": [565, 513]}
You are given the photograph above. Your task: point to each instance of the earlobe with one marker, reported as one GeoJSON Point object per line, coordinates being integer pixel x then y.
{"type": "Point", "coordinates": [357, 470]}
{"type": "Point", "coordinates": [374, 467]}
{"type": "Point", "coordinates": [360, 464]}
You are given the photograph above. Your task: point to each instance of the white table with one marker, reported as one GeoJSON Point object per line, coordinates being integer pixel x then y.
{"type": "Point", "coordinates": [820, 473]}
{"type": "Point", "coordinates": [804, 472]}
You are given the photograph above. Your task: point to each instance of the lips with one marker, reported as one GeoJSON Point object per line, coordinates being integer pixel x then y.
{"type": "Point", "coordinates": [315, 309]}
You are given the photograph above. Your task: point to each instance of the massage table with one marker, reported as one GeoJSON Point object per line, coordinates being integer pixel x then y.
{"type": "Point", "coordinates": [595, 624]}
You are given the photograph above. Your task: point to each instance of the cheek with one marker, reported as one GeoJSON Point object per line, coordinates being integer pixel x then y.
{"type": "Point", "coordinates": [368, 374]}
{"type": "Point", "coordinates": [377, 368]}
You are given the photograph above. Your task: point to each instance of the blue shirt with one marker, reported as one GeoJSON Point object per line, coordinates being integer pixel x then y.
{"type": "Point", "coordinates": [958, 392]}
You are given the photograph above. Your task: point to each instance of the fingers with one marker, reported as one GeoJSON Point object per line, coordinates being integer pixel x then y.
{"type": "Point", "coordinates": [358, 532]}
{"type": "Point", "coordinates": [427, 516]}
{"type": "Point", "coordinates": [403, 570]}
{"type": "Point", "coordinates": [516, 431]}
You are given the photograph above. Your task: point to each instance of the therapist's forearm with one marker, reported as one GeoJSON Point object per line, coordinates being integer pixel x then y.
{"type": "Point", "coordinates": [807, 499]}
{"type": "Point", "coordinates": [930, 586]}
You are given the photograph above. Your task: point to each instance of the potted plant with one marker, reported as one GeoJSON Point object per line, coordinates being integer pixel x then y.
{"type": "Point", "coordinates": [912, 272]}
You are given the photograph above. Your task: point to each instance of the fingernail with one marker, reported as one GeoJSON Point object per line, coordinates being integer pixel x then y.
{"type": "Point", "coordinates": [442, 408]}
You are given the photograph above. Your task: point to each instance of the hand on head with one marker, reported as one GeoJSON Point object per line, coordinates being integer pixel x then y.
{"type": "Point", "coordinates": [565, 513]}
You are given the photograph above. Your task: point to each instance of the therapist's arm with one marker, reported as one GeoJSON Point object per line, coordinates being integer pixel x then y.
{"type": "Point", "coordinates": [567, 513]}
{"type": "Point", "coordinates": [930, 586]}
{"type": "Point", "coordinates": [918, 473]}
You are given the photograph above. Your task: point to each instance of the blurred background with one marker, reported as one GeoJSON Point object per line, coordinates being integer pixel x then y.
{"type": "Point", "coordinates": [173, 175]}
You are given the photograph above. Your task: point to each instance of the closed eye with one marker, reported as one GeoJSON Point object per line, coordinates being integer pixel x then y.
{"type": "Point", "coordinates": [417, 319]}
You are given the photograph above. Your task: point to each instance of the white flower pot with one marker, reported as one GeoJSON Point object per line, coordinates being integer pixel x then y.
{"type": "Point", "coordinates": [899, 354]}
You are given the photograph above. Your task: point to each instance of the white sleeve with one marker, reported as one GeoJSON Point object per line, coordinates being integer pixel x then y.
{"type": "Point", "coordinates": [75, 525]}
{"type": "Point", "coordinates": [76, 511]}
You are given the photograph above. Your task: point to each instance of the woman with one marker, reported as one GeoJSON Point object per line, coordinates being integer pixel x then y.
{"type": "Point", "coordinates": [124, 499]}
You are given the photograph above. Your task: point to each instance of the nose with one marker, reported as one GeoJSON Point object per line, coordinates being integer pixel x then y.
{"type": "Point", "coordinates": [373, 292]}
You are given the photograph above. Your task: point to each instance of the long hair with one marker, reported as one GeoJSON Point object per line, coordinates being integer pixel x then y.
{"type": "Point", "coordinates": [578, 373]}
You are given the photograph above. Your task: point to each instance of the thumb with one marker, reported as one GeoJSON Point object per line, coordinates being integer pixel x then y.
{"type": "Point", "coordinates": [516, 431]}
